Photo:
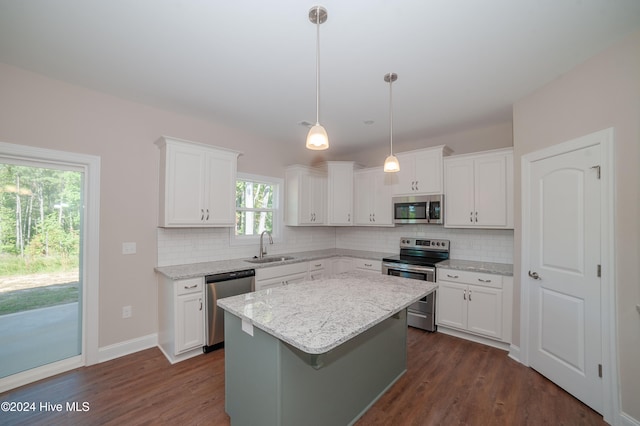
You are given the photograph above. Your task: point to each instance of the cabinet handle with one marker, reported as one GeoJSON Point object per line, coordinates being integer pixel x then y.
{"type": "Point", "coordinates": [452, 276]}
{"type": "Point", "coordinates": [469, 295]}
{"type": "Point", "coordinates": [484, 281]}
{"type": "Point", "coordinates": [317, 265]}
{"type": "Point", "coordinates": [413, 185]}
{"type": "Point", "coordinates": [189, 287]}
{"type": "Point", "coordinates": [476, 217]}
{"type": "Point", "coordinates": [207, 214]}
{"type": "Point", "coordinates": [368, 265]}
{"type": "Point", "coordinates": [200, 304]}
{"type": "Point", "coordinates": [201, 214]}
{"type": "Point", "coordinates": [471, 217]}
{"type": "Point", "coordinates": [464, 295]}
{"type": "Point", "coordinates": [370, 217]}
{"type": "Point", "coordinates": [417, 186]}
{"type": "Point", "coordinates": [348, 217]}
{"type": "Point", "coordinates": [374, 217]}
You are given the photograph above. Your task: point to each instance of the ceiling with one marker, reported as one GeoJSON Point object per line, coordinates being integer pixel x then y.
{"type": "Point", "coordinates": [251, 63]}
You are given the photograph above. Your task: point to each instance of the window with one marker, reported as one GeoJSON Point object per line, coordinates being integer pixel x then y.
{"type": "Point", "coordinates": [257, 207]}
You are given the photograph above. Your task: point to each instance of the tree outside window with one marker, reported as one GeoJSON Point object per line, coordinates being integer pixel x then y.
{"type": "Point", "coordinates": [256, 207]}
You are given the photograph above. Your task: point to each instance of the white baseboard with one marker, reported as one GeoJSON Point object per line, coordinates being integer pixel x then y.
{"type": "Point", "coordinates": [514, 353]}
{"type": "Point", "coordinates": [478, 339]}
{"type": "Point", "coordinates": [627, 420]}
{"type": "Point", "coordinates": [125, 348]}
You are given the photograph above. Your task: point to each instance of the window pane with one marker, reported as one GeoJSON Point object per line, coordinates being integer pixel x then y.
{"type": "Point", "coordinates": [253, 223]}
{"type": "Point", "coordinates": [254, 194]}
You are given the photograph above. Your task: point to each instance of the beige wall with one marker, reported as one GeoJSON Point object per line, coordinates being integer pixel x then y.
{"type": "Point", "coordinates": [477, 139]}
{"type": "Point", "coordinates": [601, 93]}
{"type": "Point", "coordinates": [41, 112]}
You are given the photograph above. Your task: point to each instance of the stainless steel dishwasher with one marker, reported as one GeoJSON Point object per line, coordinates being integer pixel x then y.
{"type": "Point", "coordinates": [220, 286]}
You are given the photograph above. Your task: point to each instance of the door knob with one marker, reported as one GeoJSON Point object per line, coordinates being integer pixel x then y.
{"type": "Point", "coordinates": [534, 275]}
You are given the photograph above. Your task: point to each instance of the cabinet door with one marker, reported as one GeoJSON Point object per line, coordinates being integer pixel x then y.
{"type": "Point", "coordinates": [185, 186]}
{"type": "Point", "coordinates": [491, 191]}
{"type": "Point", "coordinates": [406, 177]}
{"type": "Point", "coordinates": [221, 195]}
{"type": "Point", "coordinates": [363, 196]}
{"type": "Point", "coordinates": [189, 322]}
{"type": "Point", "coordinates": [459, 193]}
{"type": "Point", "coordinates": [311, 198]}
{"type": "Point", "coordinates": [340, 194]}
{"type": "Point", "coordinates": [485, 311]}
{"type": "Point", "coordinates": [382, 194]}
{"type": "Point", "coordinates": [317, 275]}
{"type": "Point", "coordinates": [295, 278]}
{"type": "Point", "coordinates": [318, 190]}
{"type": "Point", "coordinates": [452, 305]}
{"type": "Point", "coordinates": [269, 283]}
{"type": "Point", "coordinates": [428, 172]}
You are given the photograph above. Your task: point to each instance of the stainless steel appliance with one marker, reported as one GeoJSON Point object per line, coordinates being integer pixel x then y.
{"type": "Point", "coordinates": [419, 209]}
{"type": "Point", "coordinates": [219, 286]}
{"type": "Point", "coordinates": [417, 260]}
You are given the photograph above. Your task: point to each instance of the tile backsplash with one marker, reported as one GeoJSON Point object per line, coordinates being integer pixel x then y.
{"type": "Point", "coordinates": [194, 245]}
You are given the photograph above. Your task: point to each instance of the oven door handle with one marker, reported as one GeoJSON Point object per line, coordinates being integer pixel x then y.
{"type": "Point", "coordinates": [409, 268]}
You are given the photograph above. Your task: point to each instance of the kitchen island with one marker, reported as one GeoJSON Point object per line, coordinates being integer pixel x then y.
{"type": "Point", "coordinates": [319, 352]}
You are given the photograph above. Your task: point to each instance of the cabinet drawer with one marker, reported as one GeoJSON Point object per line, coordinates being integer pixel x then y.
{"type": "Point", "coordinates": [192, 285]}
{"type": "Point", "coordinates": [467, 277]}
{"type": "Point", "coordinates": [280, 271]}
{"type": "Point", "coordinates": [315, 265]}
{"type": "Point", "coordinates": [370, 265]}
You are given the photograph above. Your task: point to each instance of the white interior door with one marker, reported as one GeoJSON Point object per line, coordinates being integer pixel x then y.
{"type": "Point", "coordinates": [564, 284]}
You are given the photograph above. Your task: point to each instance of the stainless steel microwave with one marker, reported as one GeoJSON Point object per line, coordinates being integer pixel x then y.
{"type": "Point", "coordinates": [419, 209]}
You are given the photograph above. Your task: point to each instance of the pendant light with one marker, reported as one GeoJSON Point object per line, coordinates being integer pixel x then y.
{"type": "Point", "coordinates": [317, 138]}
{"type": "Point", "coordinates": [391, 164]}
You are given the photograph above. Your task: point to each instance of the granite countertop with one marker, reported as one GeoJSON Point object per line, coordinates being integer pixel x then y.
{"type": "Point", "coordinates": [179, 272]}
{"type": "Point", "coordinates": [317, 316]}
{"type": "Point", "coordinates": [505, 269]}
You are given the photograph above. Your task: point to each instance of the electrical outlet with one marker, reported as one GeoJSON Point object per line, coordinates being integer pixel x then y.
{"type": "Point", "coordinates": [128, 248]}
{"type": "Point", "coordinates": [127, 311]}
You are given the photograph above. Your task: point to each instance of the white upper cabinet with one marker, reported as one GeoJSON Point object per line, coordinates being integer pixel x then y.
{"type": "Point", "coordinates": [421, 171]}
{"type": "Point", "coordinates": [372, 193]}
{"type": "Point", "coordinates": [305, 196]}
{"type": "Point", "coordinates": [340, 193]}
{"type": "Point", "coordinates": [479, 190]}
{"type": "Point", "coordinates": [197, 184]}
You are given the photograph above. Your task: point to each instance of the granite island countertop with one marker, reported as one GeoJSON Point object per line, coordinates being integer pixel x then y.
{"type": "Point", "coordinates": [192, 270]}
{"type": "Point", "coordinates": [317, 316]}
{"type": "Point", "coordinates": [505, 269]}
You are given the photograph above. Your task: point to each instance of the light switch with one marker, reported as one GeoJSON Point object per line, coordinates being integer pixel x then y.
{"type": "Point", "coordinates": [128, 248]}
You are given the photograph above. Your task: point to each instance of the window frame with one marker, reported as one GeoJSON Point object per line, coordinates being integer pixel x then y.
{"type": "Point", "coordinates": [277, 221]}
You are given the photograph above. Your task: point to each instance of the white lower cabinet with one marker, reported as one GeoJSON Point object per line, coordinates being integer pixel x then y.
{"type": "Point", "coordinates": [476, 303]}
{"type": "Point", "coordinates": [181, 318]}
{"type": "Point", "coordinates": [368, 266]}
{"type": "Point", "coordinates": [341, 264]}
{"type": "Point", "coordinates": [318, 269]}
{"type": "Point", "coordinates": [275, 276]}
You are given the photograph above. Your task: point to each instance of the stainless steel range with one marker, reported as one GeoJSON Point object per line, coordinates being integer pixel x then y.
{"type": "Point", "coordinates": [417, 260]}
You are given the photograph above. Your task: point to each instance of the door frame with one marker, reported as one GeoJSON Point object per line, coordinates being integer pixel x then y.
{"type": "Point", "coordinates": [605, 139]}
{"type": "Point", "coordinates": [90, 165]}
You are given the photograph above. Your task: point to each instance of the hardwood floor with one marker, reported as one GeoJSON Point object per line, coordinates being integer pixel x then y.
{"type": "Point", "coordinates": [448, 381]}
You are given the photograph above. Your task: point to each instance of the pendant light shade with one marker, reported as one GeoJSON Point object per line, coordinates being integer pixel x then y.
{"type": "Point", "coordinates": [391, 164]}
{"type": "Point", "coordinates": [317, 138]}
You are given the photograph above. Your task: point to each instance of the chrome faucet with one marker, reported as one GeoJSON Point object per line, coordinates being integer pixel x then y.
{"type": "Point", "coordinates": [263, 249]}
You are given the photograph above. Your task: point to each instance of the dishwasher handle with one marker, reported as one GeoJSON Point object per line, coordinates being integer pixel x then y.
{"type": "Point", "coordinates": [226, 276]}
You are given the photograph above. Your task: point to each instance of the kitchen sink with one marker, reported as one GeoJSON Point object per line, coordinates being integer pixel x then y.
{"type": "Point", "coordinates": [271, 259]}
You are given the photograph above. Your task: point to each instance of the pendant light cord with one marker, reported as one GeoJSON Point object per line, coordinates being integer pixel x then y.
{"type": "Point", "coordinates": [390, 113]}
{"type": "Point", "coordinates": [318, 65]}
